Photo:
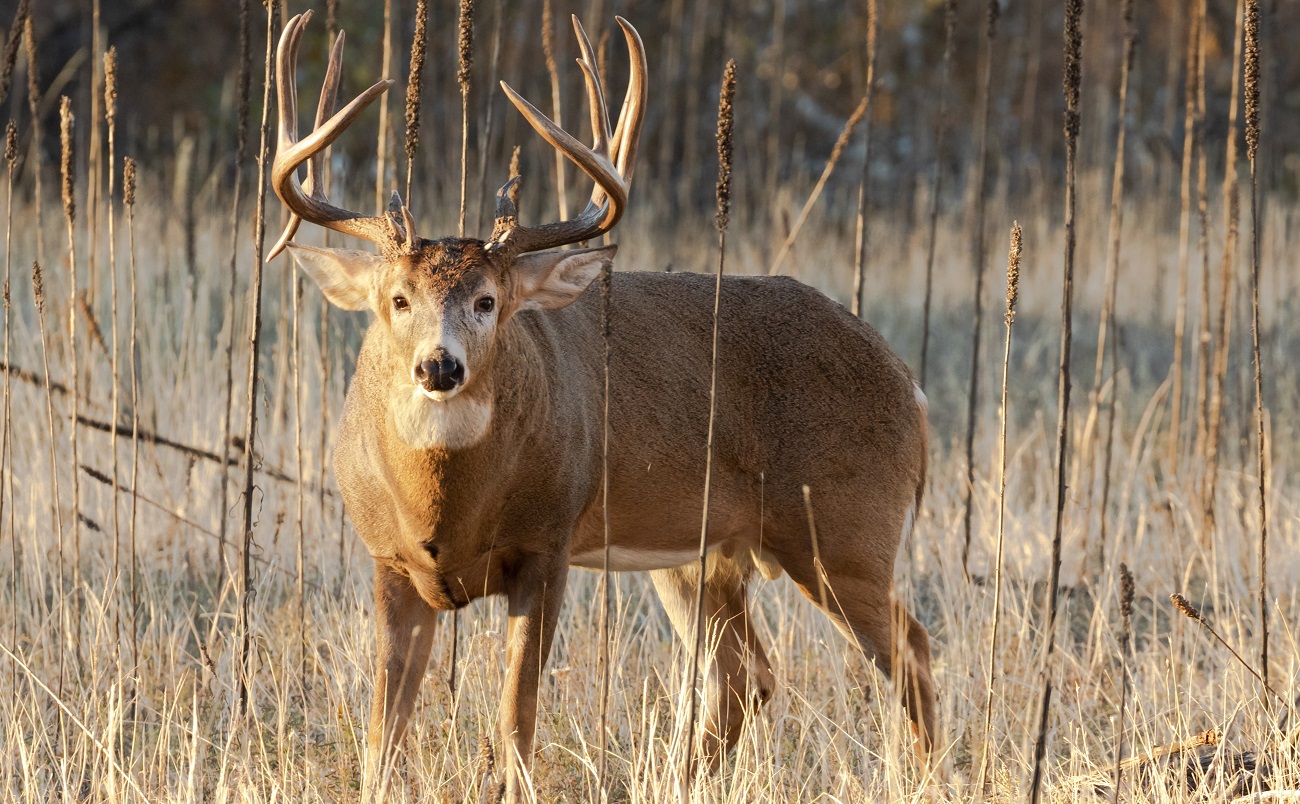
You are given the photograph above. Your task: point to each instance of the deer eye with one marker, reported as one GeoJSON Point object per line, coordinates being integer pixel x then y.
{"type": "Point", "coordinates": [400, 303]}
{"type": "Point", "coordinates": [485, 305]}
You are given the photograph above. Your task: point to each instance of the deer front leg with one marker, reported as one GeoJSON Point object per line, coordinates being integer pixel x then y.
{"type": "Point", "coordinates": [534, 596]}
{"type": "Point", "coordinates": [405, 628]}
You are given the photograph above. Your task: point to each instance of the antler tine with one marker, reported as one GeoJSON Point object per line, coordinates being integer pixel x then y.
{"type": "Point", "coordinates": [595, 91]}
{"type": "Point", "coordinates": [608, 162]}
{"type": "Point", "coordinates": [312, 206]}
{"type": "Point", "coordinates": [627, 133]}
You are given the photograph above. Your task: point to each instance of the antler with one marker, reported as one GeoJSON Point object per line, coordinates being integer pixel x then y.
{"type": "Point", "coordinates": [608, 162]}
{"type": "Point", "coordinates": [308, 202]}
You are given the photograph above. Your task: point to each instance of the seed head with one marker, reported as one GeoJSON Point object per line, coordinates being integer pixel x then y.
{"type": "Point", "coordinates": [33, 74]}
{"type": "Point", "coordinates": [11, 144]}
{"type": "Point", "coordinates": [1252, 78]}
{"type": "Point", "coordinates": [1125, 594]}
{"type": "Point", "coordinates": [128, 181]}
{"type": "Point", "coordinates": [415, 79]}
{"type": "Point", "coordinates": [110, 85]}
{"type": "Point", "coordinates": [11, 49]}
{"type": "Point", "coordinates": [1182, 604]}
{"type": "Point", "coordinates": [65, 165]}
{"type": "Point", "coordinates": [726, 120]}
{"type": "Point", "coordinates": [38, 286]}
{"type": "Point", "coordinates": [1073, 72]}
{"type": "Point", "coordinates": [465, 42]}
{"type": "Point", "coordinates": [1013, 273]}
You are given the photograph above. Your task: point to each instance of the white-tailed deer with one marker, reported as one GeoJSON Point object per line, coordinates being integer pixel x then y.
{"type": "Point", "coordinates": [469, 454]}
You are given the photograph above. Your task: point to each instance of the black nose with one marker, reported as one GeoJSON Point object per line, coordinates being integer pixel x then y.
{"type": "Point", "coordinates": [440, 373]}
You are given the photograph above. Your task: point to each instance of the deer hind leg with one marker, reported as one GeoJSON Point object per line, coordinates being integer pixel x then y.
{"type": "Point", "coordinates": [738, 677]}
{"type": "Point", "coordinates": [866, 613]}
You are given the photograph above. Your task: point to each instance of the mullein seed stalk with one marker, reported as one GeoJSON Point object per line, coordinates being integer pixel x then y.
{"type": "Point", "coordinates": [66, 171]}
{"type": "Point", "coordinates": [128, 199]}
{"type": "Point", "coordinates": [34, 109]}
{"type": "Point", "coordinates": [6, 451]}
{"type": "Point", "coordinates": [1013, 294]}
{"type": "Point", "coordinates": [1126, 655]}
{"type": "Point", "coordinates": [415, 81]}
{"type": "Point", "coordinates": [255, 338]}
{"type": "Point", "coordinates": [1071, 81]}
{"type": "Point", "coordinates": [110, 120]}
{"type": "Point", "coordinates": [726, 123]}
{"type": "Point", "coordinates": [1252, 68]}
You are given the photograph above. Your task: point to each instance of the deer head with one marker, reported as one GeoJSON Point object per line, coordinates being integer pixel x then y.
{"type": "Point", "coordinates": [441, 304]}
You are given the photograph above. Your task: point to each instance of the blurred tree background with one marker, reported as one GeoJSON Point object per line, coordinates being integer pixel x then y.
{"type": "Point", "coordinates": [802, 71]}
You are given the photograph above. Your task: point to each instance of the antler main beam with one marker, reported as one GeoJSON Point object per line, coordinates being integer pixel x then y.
{"type": "Point", "coordinates": [608, 162]}
{"type": "Point", "coordinates": [309, 203]}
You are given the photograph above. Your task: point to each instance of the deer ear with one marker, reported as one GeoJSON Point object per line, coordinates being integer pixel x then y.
{"type": "Point", "coordinates": [342, 275]}
{"type": "Point", "coordinates": [549, 280]}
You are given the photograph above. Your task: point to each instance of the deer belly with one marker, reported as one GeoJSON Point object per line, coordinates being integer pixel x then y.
{"type": "Point", "coordinates": [634, 559]}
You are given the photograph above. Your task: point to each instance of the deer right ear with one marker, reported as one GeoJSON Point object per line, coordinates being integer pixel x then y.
{"type": "Point", "coordinates": [342, 275]}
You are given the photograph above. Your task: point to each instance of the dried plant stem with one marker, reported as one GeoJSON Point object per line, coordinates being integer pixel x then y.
{"type": "Point", "coordinates": [977, 266]}
{"type": "Point", "coordinates": [96, 144]}
{"type": "Point", "coordinates": [1126, 654]}
{"type": "Point", "coordinates": [1252, 68]}
{"type": "Point", "coordinates": [465, 47]}
{"type": "Point", "coordinates": [242, 80]}
{"type": "Point", "coordinates": [6, 449]}
{"type": "Point", "coordinates": [552, 70]}
{"type": "Point", "coordinates": [860, 252]}
{"type": "Point", "coordinates": [602, 769]}
{"type": "Point", "coordinates": [381, 160]}
{"type": "Point", "coordinates": [34, 109]}
{"type": "Point", "coordinates": [38, 293]}
{"type": "Point", "coordinates": [1073, 70]}
{"type": "Point", "coordinates": [936, 182]}
{"type": "Point", "coordinates": [726, 100]}
{"type": "Point", "coordinates": [69, 216]}
{"type": "Point", "coordinates": [1203, 244]}
{"type": "Point", "coordinates": [296, 358]}
{"type": "Point", "coordinates": [254, 338]}
{"type": "Point", "coordinates": [836, 152]}
{"type": "Point", "coordinates": [110, 119]}
{"type": "Point", "coordinates": [1172, 453]}
{"type": "Point", "coordinates": [1013, 290]}
{"type": "Point", "coordinates": [1112, 287]}
{"type": "Point", "coordinates": [128, 198]}
{"type": "Point", "coordinates": [414, 81]}
{"type": "Point", "coordinates": [1183, 605]}
{"type": "Point", "coordinates": [1231, 204]}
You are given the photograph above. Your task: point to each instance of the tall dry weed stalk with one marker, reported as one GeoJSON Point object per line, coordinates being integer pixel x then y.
{"type": "Point", "coordinates": [110, 120]}
{"type": "Point", "coordinates": [1071, 80]}
{"type": "Point", "coordinates": [1193, 613]}
{"type": "Point", "coordinates": [95, 148]}
{"type": "Point", "coordinates": [12, 42]}
{"type": "Point", "coordinates": [34, 109]}
{"type": "Point", "coordinates": [381, 145]}
{"type": "Point", "coordinates": [67, 172]}
{"type": "Point", "coordinates": [1223, 335]}
{"type": "Point", "coordinates": [860, 251]}
{"type": "Point", "coordinates": [255, 339]}
{"type": "Point", "coordinates": [242, 87]}
{"type": "Point", "coordinates": [1190, 135]}
{"type": "Point", "coordinates": [128, 200]}
{"type": "Point", "coordinates": [1111, 290]}
{"type": "Point", "coordinates": [38, 294]}
{"type": "Point", "coordinates": [1013, 293]}
{"type": "Point", "coordinates": [977, 265]}
{"type": "Point", "coordinates": [726, 125]}
{"type": "Point", "coordinates": [6, 449]}
{"type": "Point", "coordinates": [1125, 655]}
{"type": "Point", "coordinates": [414, 83]}
{"type": "Point", "coordinates": [837, 151]}
{"type": "Point", "coordinates": [553, 72]}
{"type": "Point", "coordinates": [936, 181]}
{"type": "Point", "coordinates": [1252, 152]}
{"type": "Point", "coordinates": [1203, 356]}
{"type": "Point", "coordinates": [464, 65]}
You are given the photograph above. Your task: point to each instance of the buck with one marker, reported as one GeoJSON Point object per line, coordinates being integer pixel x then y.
{"type": "Point", "coordinates": [469, 454]}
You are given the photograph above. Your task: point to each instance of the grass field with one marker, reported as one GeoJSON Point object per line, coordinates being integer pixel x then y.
{"type": "Point", "coordinates": [119, 618]}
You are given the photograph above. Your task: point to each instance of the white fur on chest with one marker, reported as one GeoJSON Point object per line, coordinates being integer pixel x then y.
{"type": "Point", "coordinates": [424, 423]}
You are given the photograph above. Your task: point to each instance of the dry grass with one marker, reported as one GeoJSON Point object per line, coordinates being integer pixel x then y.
{"type": "Point", "coordinates": [830, 731]}
{"type": "Point", "coordinates": [149, 709]}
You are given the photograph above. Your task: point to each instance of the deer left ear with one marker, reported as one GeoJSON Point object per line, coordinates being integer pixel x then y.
{"type": "Point", "coordinates": [549, 280]}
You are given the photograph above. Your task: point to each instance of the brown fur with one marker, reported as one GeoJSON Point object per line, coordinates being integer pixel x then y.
{"type": "Point", "coordinates": [807, 394]}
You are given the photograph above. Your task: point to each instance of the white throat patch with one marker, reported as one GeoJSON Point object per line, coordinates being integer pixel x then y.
{"type": "Point", "coordinates": [425, 423]}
